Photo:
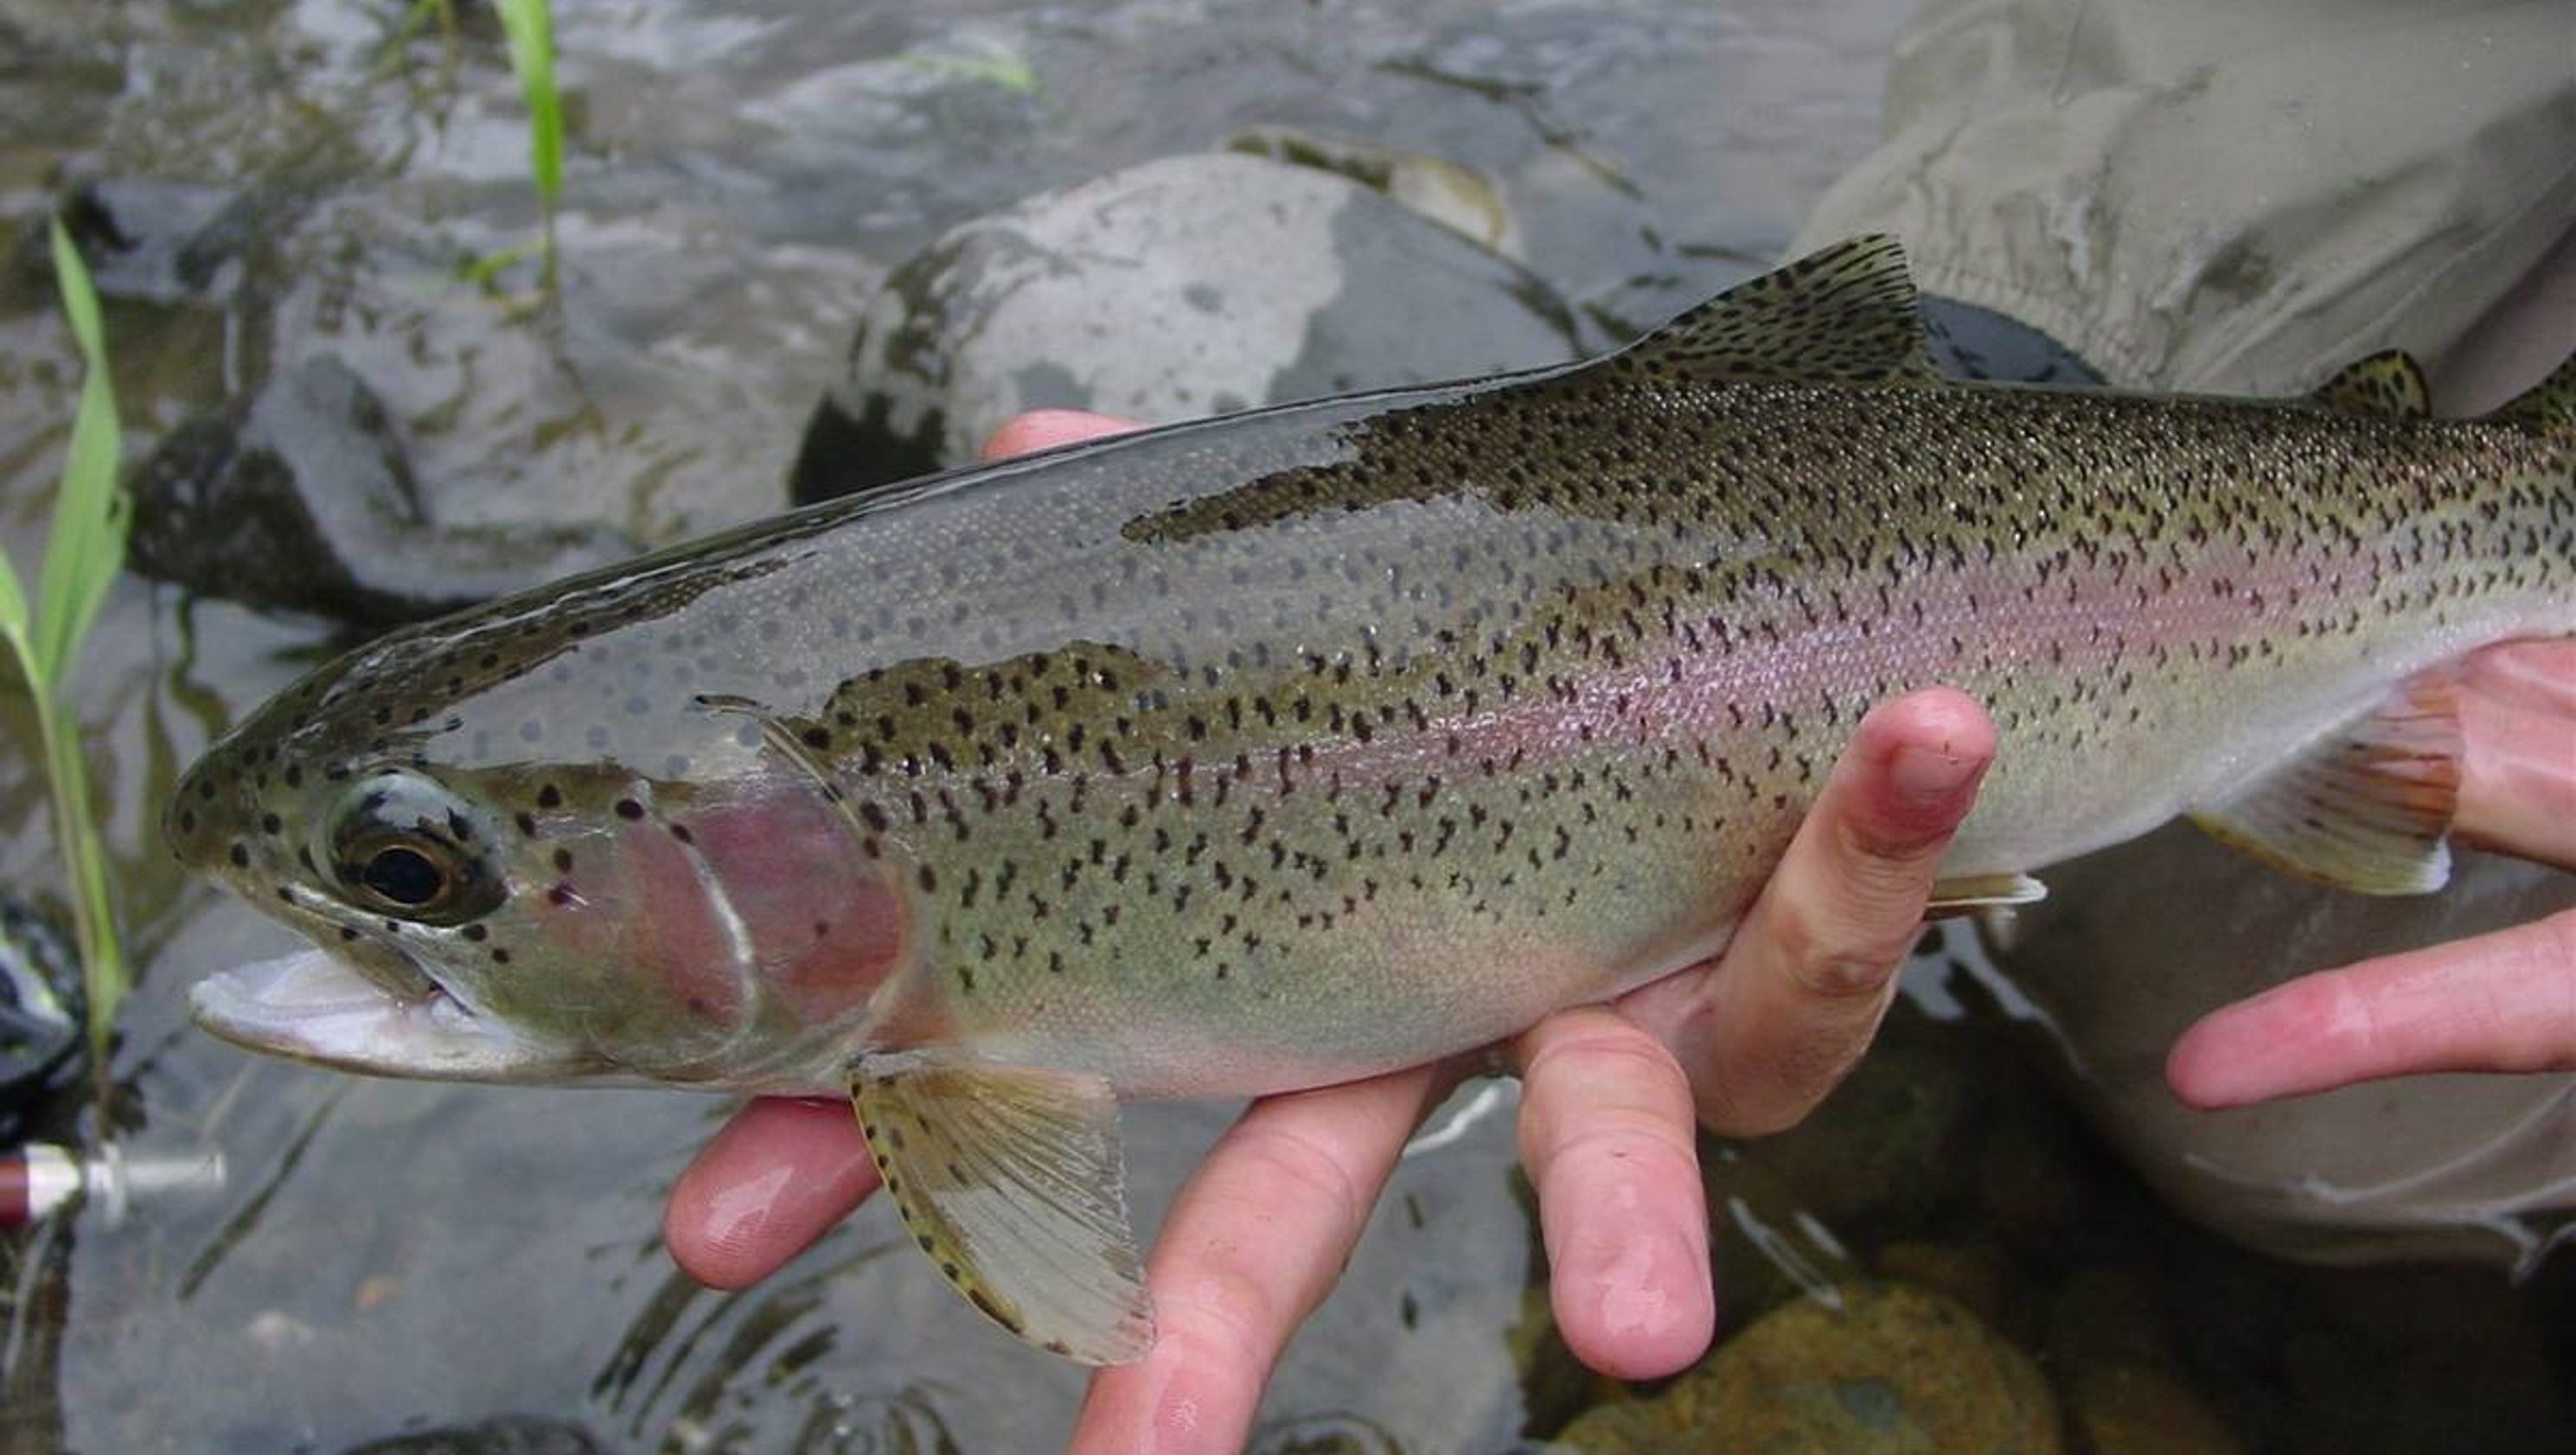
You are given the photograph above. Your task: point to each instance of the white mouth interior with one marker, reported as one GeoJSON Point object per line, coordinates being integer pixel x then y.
{"type": "Point", "coordinates": [311, 1007]}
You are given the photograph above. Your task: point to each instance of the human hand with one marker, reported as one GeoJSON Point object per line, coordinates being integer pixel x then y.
{"type": "Point", "coordinates": [1259, 1234]}
{"type": "Point", "coordinates": [2498, 1002]}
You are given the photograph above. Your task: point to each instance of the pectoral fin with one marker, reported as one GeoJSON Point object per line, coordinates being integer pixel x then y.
{"type": "Point", "coordinates": [1010, 1179]}
{"type": "Point", "coordinates": [1972, 893]}
{"type": "Point", "coordinates": [2365, 809]}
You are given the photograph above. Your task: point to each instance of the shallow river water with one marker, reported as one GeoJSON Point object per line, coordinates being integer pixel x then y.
{"type": "Point", "coordinates": [409, 1267]}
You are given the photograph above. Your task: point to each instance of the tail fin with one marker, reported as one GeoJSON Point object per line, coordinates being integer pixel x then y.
{"type": "Point", "coordinates": [2550, 403]}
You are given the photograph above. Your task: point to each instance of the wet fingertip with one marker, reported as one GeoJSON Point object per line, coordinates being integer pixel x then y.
{"type": "Point", "coordinates": [777, 1178]}
{"type": "Point", "coordinates": [1919, 765]}
{"type": "Point", "coordinates": [1644, 1310]}
{"type": "Point", "coordinates": [1938, 719]}
{"type": "Point", "coordinates": [699, 1248]}
{"type": "Point", "coordinates": [2206, 1072]}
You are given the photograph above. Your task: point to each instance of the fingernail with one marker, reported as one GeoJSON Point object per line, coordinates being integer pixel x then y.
{"type": "Point", "coordinates": [1927, 777]}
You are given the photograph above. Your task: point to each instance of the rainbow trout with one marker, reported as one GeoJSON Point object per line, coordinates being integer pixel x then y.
{"type": "Point", "coordinates": [1296, 746]}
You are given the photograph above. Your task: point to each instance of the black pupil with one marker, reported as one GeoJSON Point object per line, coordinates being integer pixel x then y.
{"type": "Point", "coordinates": [403, 876]}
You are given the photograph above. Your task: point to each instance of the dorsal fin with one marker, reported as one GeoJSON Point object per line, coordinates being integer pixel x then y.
{"type": "Point", "coordinates": [2552, 401]}
{"type": "Point", "coordinates": [2388, 383]}
{"type": "Point", "coordinates": [1846, 315]}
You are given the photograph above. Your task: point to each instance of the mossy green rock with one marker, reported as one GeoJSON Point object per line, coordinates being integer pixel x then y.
{"type": "Point", "coordinates": [1895, 1371]}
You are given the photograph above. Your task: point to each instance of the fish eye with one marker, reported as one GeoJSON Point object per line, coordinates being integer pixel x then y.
{"type": "Point", "coordinates": [406, 874]}
{"type": "Point", "coordinates": [405, 846]}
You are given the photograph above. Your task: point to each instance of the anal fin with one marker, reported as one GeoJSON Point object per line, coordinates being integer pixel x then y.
{"type": "Point", "coordinates": [1010, 1179]}
{"type": "Point", "coordinates": [1972, 893]}
{"type": "Point", "coordinates": [2367, 808]}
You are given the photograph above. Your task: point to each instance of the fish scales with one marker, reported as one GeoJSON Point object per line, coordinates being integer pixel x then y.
{"type": "Point", "coordinates": [1283, 749]}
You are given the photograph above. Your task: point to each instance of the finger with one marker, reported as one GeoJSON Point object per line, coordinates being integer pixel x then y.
{"type": "Point", "coordinates": [2518, 784]}
{"type": "Point", "coordinates": [2499, 1002]}
{"type": "Point", "coordinates": [778, 1176]}
{"type": "Point", "coordinates": [1797, 995]}
{"type": "Point", "coordinates": [1044, 429]}
{"type": "Point", "coordinates": [1606, 1134]}
{"type": "Point", "coordinates": [1252, 1244]}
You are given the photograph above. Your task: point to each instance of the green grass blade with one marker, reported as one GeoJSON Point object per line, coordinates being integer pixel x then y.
{"type": "Point", "coordinates": [13, 616]}
{"type": "Point", "coordinates": [80, 300]}
{"type": "Point", "coordinates": [103, 972]}
{"type": "Point", "coordinates": [529, 27]}
{"type": "Point", "coordinates": [86, 545]}
{"type": "Point", "coordinates": [84, 550]}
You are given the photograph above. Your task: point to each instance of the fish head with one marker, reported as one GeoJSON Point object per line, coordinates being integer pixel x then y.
{"type": "Point", "coordinates": [482, 913]}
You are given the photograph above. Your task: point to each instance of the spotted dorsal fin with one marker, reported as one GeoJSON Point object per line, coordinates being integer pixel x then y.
{"type": "Point", "coordinates": [1846, 315]}
{"type": "Point", "coordinates": [2388, 383]}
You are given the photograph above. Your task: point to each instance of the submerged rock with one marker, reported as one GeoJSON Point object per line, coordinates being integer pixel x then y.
{"type": "Point", "coordinates": [1894, 1371]}
{"type": "Point", "coordinates": [2125, 1408]}
{"type": "Point", "coordinates": [1189, 286]}
{"type": "Point", "coordinates": [1456, 196]}
{"type": "Point", "coordinates": [159, 241]}
{"type": "Point", "coordinates": [300, 498]}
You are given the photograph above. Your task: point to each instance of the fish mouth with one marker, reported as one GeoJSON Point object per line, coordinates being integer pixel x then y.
{"type": "Point", "coordinates": [311, 1007]}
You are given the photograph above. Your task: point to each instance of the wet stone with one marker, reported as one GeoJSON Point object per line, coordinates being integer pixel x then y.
{"type": "Point", "coordinates": [2126, 1408]}
{"type": "Point", "coordinates": [1189, 286]}
{"type": "Point", "coordinates": [300, 498]}
{"type": "Point", "coordinates": [1894, 1371]}
{"type": "Point", "coordinates": [1973, 1276]}
{"type": "Point", "coordinates": [1457, 197]}
{"type": "Point", "coordinates": [157, 241]}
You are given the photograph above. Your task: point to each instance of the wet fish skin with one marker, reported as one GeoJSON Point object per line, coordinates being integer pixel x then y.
{"type": "Point", "coordinates": [1278, 750]}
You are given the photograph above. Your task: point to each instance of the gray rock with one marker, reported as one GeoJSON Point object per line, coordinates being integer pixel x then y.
{"type": "Point", "coordinates": [300, 498]}
{"type": "Point", "coordinates": [1188, 286]}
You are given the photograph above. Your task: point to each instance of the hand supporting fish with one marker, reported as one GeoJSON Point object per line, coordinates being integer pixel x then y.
{"type": "Point", "coordinates": [2499, 1002]}
{"type": "Point", "coordinates": [1291, 749]}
